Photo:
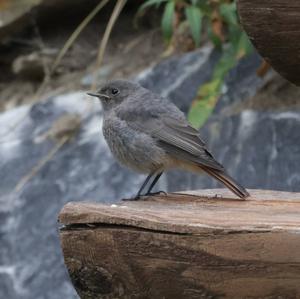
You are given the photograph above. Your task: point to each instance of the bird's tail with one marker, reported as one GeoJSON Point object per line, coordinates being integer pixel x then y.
{"type": "Point", "coordinates": [228, 181]}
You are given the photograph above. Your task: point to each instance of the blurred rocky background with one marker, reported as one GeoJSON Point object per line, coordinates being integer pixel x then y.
{"type": "Point", "coordinates": [51, 146]}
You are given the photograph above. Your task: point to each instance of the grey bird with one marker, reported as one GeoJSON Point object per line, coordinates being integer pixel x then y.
{"type": "Point", "coordinates": [149, 134]}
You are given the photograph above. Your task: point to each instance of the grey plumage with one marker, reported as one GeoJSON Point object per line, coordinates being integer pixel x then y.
{"type": "Point", "coordinates": [149, 134]}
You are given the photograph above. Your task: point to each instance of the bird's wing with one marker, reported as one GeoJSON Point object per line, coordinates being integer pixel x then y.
{"type": "Point", "coordinates": [179, 139]}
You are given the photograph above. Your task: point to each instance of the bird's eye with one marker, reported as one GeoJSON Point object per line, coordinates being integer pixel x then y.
{"type": "Point", "coordinates": [114, 91]}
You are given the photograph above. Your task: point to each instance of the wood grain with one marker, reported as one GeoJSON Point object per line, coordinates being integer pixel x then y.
{"type": "Point", "coordinates": [274, 29]}
{"type": "Point", "coordinates": [185, 246]}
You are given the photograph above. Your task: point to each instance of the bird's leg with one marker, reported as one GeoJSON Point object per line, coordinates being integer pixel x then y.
{"type": "Point", "coordinates": [143, 186]}
{"type": "Point", "coordinates": [137, 197]}
{"type": "Point", "coordinates": [153, 184]}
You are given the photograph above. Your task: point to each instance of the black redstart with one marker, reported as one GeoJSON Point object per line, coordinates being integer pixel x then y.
{"type": "Point", "coordinates": [149, 134]}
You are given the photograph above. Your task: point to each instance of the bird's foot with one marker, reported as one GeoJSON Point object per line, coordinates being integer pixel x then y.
{"type": "Point", "coordinates": [156, 193]}
{"type": "Point", "coordinates": [132, 198]}
{"type": "Point", "coordinates": [138, 197]}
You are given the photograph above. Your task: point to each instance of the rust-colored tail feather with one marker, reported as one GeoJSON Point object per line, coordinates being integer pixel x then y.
{"type": "Point", "coordinates": [228, 181]}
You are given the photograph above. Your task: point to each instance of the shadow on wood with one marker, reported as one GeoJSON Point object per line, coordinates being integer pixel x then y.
{"type": "Point", "coordinates": [185, 246]}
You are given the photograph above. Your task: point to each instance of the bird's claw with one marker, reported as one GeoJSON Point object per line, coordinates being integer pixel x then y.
{"type": "Point", "coordinates": [138, 197]}
{"type": "Point", "coordinates": [132, 198]}
{"type": "Point", "coordinates": [156, 193]}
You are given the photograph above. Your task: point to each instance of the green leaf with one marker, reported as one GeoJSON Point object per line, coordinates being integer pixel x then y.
{"type": "Point", "coordinates": [229, 13]}
{"type": "Point", "coordinates": [167, 19]}
{"type": "Point", "coordinates": [209, 93]}
{"type": "Point", "coordinates": [237, 47]}
{"type": "Point", "coordinates": [199, 114]}
{"type": "Point", "coordinates": [207, 97]}
{"type": "Point", "coordinates": [234, 34]}
{"type": "Point", "coordinates": [150, 3]}
{"type": "Point", "coordinates": [213, 37]}
{"type": "Point", "coordinates": [194, 17]}
{"type": "Point", "coordinates": [226, 63]}
{"type": "Point", "coordinates": [240, 44]}
{"type": "Point", "coordinates": [244, 47]}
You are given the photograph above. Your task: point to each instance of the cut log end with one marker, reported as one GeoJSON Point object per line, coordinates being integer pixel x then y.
{"type": "Point", "coordinates": [273, 27]}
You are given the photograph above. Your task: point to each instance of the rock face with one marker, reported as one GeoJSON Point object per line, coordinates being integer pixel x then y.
{"type": "Point", "coordinates": [258, 147]}
{"type": "Point", "coordinates": [178, 78]}
{"type": "Point", "coordinates": [13, 11]}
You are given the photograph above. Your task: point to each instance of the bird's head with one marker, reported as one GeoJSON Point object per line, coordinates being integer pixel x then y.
{"type": "Point", "coordinates": [115, 92]}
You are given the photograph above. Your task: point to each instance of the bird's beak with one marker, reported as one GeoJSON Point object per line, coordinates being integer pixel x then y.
{"type": "Point", "coordinates": [93, 94]}
{"type": "Point", "coordinates": [98, 95]}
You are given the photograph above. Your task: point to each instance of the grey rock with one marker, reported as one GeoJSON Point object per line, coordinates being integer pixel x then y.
{"type": "Point", "coordinates": [241, 82]}
{"type": "Point", "coordinates": [259, 148]}
{"type": "Point", "coordinates": [178, 78]}
{"type": "Point", "coordinates": [104, 72]}
{"type": "Point", "coordinates": [13, 12]}
{"type": "Point", "coordinates": [31, 66]}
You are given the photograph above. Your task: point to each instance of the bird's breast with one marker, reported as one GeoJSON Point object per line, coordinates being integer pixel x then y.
{"type": "Point", "coordinates": [132, 148]}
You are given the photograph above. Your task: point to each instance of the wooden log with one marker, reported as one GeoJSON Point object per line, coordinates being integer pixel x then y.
{"type": "Point", "coordinates": [185, 246]}
{"type": "Point", "coordinates": [274, 28]}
